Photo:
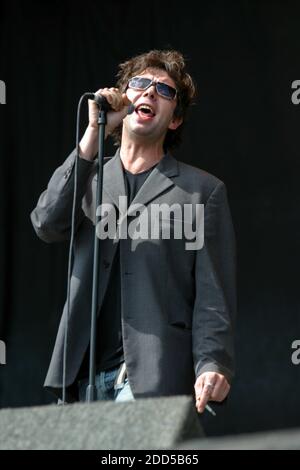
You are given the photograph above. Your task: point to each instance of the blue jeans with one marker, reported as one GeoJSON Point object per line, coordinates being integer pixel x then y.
{"type": "Point", "coordinates": [106, 389]}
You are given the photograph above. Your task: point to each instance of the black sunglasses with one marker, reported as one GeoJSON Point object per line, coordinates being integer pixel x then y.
{"type": "Point", "coordinates": [162, 89]}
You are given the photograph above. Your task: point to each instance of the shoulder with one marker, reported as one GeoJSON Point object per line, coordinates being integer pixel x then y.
{"type": "Point", "coordinates": [198, 179]}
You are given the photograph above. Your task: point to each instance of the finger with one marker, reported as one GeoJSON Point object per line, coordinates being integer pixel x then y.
{"type": "Point", "coordinates": [205, 378]}
{"type": "Point", "coordinates": [120, 100]}
{"type": "Point", "coordinates": [106, 92]}
{"type": "Point", "coordinates": [199, 385]}
{"type": "Point", "coordinates": [220, 392]}
{"type": "Point", "coordinates": [201, 400]}
{"type": "Point", "coordinates": [115, 98]}
{"type": "Point", "coordinates": [126, 100]}
{"type": "Point", "coordinates": [98, 92]}
{"type": "Point", "coordinates": [217, 390]}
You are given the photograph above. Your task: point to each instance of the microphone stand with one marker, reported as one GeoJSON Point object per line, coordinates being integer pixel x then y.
{"type": "Point", "coordinates": [91, 392]}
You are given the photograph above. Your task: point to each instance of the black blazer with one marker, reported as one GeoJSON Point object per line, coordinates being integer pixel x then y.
{"type": "Point", "coordinates": [178, 305]}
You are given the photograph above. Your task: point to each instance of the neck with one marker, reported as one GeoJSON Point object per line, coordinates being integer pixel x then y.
{"type": "Point", "coordinates": [139, 157]}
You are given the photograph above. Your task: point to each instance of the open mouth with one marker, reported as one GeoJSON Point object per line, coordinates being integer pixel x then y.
{"type": "Point", "coordinates": [145, 111]}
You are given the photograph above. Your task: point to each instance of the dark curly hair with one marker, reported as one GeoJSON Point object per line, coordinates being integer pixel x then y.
{"type": "Point", "coordinates": [174, 64]}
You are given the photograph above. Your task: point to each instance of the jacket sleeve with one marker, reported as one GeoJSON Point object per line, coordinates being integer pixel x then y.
{"type": "Point", "coordinates": [51, 218]}
{"type": "Point", "coordinates": [215, 283]}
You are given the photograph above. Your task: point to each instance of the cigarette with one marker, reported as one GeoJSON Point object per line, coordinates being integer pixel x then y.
{"type": "Point", "coordinates": [210, 410]}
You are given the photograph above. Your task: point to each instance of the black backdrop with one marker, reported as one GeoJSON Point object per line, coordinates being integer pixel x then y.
{"type": "Point", "coordinates": [244, 129]}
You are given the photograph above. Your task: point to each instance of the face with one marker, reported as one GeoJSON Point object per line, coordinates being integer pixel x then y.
{"type": "Point", "coordinates": [153, 114]}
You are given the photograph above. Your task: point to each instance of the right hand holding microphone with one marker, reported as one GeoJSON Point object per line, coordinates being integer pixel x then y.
{"type": "Point", "coordinates": [119, 104]}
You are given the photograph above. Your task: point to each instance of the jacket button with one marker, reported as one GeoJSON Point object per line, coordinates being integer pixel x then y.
{"type": "Point", "coordinates": [106, 264]}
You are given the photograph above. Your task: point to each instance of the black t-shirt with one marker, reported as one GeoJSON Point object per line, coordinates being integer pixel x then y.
{"type": "Point", "coordinates": [109, 339]}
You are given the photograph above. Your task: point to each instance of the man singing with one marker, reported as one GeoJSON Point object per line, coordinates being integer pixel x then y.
{"type": "Point", "coordinates": [166, 307]}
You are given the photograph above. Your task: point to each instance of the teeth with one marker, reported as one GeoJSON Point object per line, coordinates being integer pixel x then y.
{"type": "Point", "coordinates": [145, 106]}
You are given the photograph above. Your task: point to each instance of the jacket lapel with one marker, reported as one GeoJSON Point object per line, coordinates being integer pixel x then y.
{"type": "Point", "coordinates": [113, 179]}
{"type": "Point", "coordinates": [158, 181]}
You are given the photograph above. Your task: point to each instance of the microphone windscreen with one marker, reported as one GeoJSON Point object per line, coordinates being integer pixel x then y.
{"type": "Point", "coordinates": [131, 108]}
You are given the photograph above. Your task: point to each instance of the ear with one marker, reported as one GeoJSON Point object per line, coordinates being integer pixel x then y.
{"type": "Point", "coordinates": [175, 122]}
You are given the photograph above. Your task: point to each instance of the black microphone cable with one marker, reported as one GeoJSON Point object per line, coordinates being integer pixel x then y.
{"type": "Point", "coordinates": [71, 246]}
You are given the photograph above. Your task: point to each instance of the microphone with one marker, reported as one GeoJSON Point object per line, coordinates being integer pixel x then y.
{"type": "Point", "coordinates": [103, 104]}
